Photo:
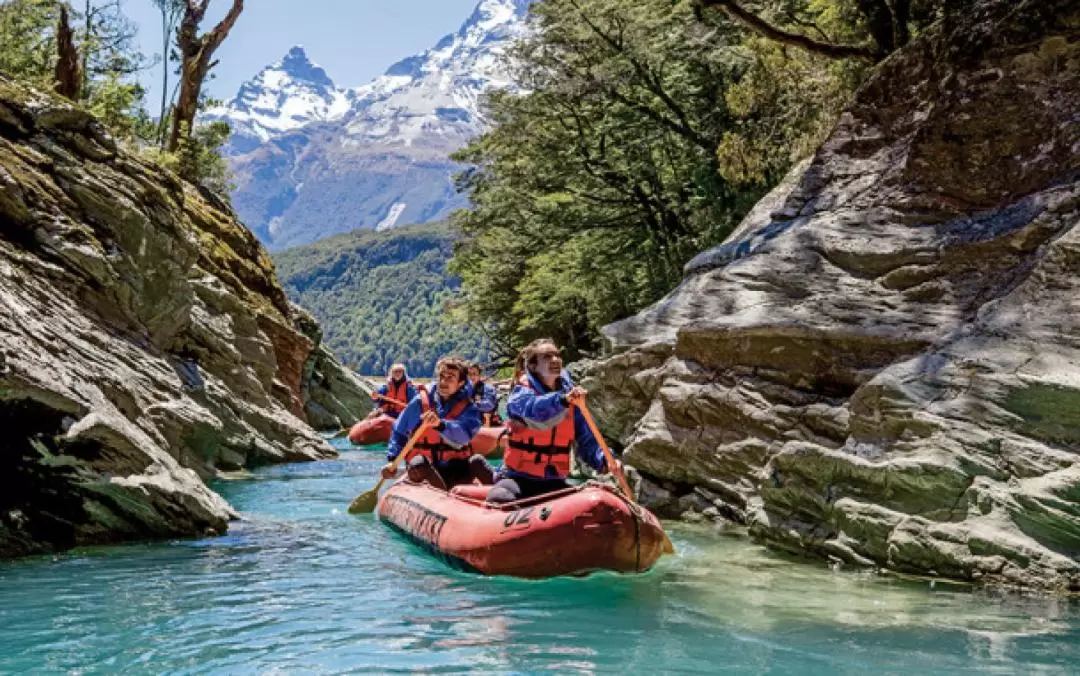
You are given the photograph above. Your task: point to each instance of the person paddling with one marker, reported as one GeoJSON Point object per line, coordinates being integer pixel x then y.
{"type": "Point", "coordinates": [543, 428]}
{"type": "Point", "coordinates": [398, 388]}
{"type": "Point", "coordinates": [442, 456]}
{"type": "Point", "coordinates": [485, 396]}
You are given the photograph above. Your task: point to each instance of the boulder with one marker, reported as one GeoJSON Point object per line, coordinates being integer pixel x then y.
{"type": "Point", "coordinates": [144, 341]}
{"type": "Point", "coordinates": [882, 363]}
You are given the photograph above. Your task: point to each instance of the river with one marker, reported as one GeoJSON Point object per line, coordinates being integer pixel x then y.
{"type": "Point", "coordinates": [300, 586]}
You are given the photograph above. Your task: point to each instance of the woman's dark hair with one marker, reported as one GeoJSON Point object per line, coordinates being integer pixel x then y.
{"type": "Point", "coordinates": [526, 359]}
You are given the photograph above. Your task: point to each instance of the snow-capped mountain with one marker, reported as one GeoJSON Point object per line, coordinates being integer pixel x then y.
{"type": "Point", "coordinates": [286, 95]}
{"type": "Point", "coordinates": [312, 160]}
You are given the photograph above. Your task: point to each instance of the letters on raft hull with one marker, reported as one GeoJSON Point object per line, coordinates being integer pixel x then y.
{"type": "Point", "coordinates": [570, 532]}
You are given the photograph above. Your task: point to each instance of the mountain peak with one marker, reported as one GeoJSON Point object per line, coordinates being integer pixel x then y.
{"type": "Point", "coordinates": [298, 66]}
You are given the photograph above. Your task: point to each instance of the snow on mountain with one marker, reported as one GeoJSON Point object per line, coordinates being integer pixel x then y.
{"type": "Point", "coordinates": [436, 94]}
{"type": "Point", "coordinates": [286, 95]}
{"type": "Point", "coordinates": [373, 156]}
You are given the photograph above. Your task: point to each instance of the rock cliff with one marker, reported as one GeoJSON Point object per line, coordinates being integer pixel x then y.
{"type": "Point", "coordinates": [882, 364]}
{"type": "Point", "coordinates": [144, 342]}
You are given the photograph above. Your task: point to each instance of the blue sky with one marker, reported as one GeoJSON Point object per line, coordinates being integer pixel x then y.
{"type": "Point", "coordinates": [354, 40]}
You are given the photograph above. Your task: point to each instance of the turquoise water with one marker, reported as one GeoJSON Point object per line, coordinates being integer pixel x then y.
{"type": "Point", "coordinates": [302, 587]}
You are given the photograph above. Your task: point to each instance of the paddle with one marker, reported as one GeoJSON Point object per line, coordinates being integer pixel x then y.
{"type": "Point", "coordinates": [615, 468]}
{"type": "Point", "coordinates": [365, 502]}
{"type": "Point", "coordinates": [388, 400]}
{"type": "Point", "coordinates": [340, 433]}
{"type": "Point", "coordinates": [612, 465]}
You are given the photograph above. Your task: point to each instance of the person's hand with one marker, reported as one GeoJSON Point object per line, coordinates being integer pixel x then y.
{"type": "Point", "coordinates": [431, 419]}
{"type": "Point", "coordinates": [618, 469]}
{"type": "Point", "coordinates": [576, 395]}
{"type": "Point", "coordinates": [388, 471]}
{"type": "Point", "coordinates": [374, 396]}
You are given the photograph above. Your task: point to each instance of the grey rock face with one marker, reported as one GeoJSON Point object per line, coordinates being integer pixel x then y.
{"type": "Point", "coordinates": [144, 342]}
{"type": "Point", "coordinates": [882, 365]}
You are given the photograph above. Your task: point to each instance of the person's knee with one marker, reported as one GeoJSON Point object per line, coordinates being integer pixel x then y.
{"type": "Point", "coordinates": [506, 490]}
{"type": "Point", "coordinates": [419, 461]}
{"type": "Point", "coordinates": [500, 494]}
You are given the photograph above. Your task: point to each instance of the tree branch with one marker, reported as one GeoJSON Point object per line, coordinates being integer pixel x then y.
{"type": "Point", "coordinates": [759, 25]}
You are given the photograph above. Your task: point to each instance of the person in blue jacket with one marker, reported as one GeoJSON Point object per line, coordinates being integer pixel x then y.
{"type": "Point", "coordinates": [398, 388]}
{"type": "Point", "coordinates": [485, 396]}
{"type": "Point", "coordinates": [544, 425]}
{"type": "Point", "coordinates": [442, 456]}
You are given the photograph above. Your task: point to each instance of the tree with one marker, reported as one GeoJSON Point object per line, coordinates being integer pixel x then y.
{"type": "Point", "coordinates": [644, 133]}
{"type": "Point", "coordinates": [195, 64]}
{"type": "Point", "coordinates": [68, 72]}
{"type": "Point", "coordinates": [889, 24]}
{"type": "Point", "coordinates": [171, 11]}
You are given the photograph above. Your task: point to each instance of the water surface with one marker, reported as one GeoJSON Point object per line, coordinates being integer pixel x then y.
{"type": "Point", "coordinates": [300, 586]}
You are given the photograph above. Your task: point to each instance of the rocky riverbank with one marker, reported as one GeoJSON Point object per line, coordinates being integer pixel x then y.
{"type": "Point", "coordinates": [882, 364]}
{"type": "Point", "coordinates": [144, 342]}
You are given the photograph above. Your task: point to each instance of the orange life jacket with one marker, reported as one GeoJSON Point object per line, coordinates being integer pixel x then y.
{"type": "Point", "coordinates": [397, 392]}
{"type": "Point", "coordinates": [431, 445]}
{"type": "Point", "coordinates": [532, 451]}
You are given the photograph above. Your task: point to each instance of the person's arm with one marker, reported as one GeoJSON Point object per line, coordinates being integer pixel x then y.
{"type": "Point", "coordinates": [586, 446]}
{"type": "Point", "coordinates": [410, 391]}
{"type": "Point", "coordinates": [489, 400]}
{"type": "Point", "coordinates": [461, 430]}
{"type": "Point", "coordinates": [538, 411]}
{"type": "Point", "coordinates": [404, 427]}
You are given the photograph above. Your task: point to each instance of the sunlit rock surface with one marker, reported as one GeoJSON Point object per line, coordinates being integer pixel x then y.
{"type": "Point", "coordinates": [882, 365]}
{"type": "Point", "coordinates": [144, 342]}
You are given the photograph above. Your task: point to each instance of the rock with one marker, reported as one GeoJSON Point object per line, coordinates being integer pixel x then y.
{"type": "Point", "coordinates": [881, 365]}
{"type": "Point", "coordinates": [145, 342]}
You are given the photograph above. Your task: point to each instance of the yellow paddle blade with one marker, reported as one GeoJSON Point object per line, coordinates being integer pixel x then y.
{"type": "Point", "coordinates": [365, 502]}
{"type": "Point", "coordinates": [669, 547]}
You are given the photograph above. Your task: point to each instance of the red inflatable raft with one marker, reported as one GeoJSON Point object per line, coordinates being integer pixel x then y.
{"type": "Point", "coordinates": [375, 429]}
{"type": "Point", "coordinates": [570, 532]}
{"type": "Point", "coordinates": [489, 442]}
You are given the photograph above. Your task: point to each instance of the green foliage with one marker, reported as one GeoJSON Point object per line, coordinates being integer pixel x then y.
{"type": "Point", "coordinates": [382, 297]}
{"type": "Point", "coordinates": [648, 130]}
{"type": "Point", "coordinates": [28, 39]}
{"type": "Point", "coordinates": [105, 43]}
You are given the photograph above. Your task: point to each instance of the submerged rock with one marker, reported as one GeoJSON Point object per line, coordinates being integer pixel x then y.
{"type": "Point", "coordinates": [882, 364]}
{"type": "Point", "coordinates": [144, 342]}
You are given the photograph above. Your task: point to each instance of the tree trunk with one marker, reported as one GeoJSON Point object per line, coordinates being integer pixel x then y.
{"type": "Point", "coordinates": [68, 78]}
{"type": "Point", "coordinates": [195, 52]}
{"type": "Point", "coordinates": [763, 27]}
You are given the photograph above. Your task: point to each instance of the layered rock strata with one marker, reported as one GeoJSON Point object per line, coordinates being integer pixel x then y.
{"type": "Point", "coordinates": [144, 342]}
{"type": "Point", "coordinates": [882, 365]}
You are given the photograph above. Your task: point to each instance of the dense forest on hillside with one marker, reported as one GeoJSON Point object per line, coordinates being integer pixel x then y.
{"type": "Point", "coordinates": [648, 130]}
{"type": "Point", "coordinates": [382, 297]}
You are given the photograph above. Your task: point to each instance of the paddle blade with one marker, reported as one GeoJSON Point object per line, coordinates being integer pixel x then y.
{"type": "Point", "coordinates": [365, 502]}
{"type": "Point", "coordinates": [340, 433]}
{"type": "Point", "coordinates": [669, 547]}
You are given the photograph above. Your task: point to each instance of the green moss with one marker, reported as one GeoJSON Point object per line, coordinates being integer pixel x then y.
{"type": "Point", "coordinates": [1049, 412]}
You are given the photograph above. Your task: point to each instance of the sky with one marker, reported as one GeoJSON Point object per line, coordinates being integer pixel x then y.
{"type": "Point", "coordinates": [354, 40]}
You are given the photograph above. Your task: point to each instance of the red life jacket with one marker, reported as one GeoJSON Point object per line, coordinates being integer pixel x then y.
{"type": "Point", "coordinates": [398, 392]}
{"type": "Point", "coordinates": [431, 445]}
{"type": "Point", "coordinates": [531, 451]}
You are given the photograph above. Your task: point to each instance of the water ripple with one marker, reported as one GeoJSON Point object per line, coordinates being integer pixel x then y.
{"type": "Point", "coordinates": [301, 586]}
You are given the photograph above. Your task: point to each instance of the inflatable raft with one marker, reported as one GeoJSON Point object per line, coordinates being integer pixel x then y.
{"type": "Point", "coordinates": [569, 532]}
{"type": "Point", "coordinates": [489, 442]}
{"type": "Point", "coordinates": [375, 429]}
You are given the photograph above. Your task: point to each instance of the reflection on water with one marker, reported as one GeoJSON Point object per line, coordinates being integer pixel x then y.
{"type": "Point", "coordinates": [301, 586]}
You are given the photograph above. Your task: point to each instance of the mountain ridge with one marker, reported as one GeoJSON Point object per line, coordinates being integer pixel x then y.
{"type": "Point", "coordinates": [311, 159]}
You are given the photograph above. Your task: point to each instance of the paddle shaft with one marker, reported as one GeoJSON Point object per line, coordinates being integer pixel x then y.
{"type": "Point", "coordinates": [388, 400]}
{"type": "Point", "coordinates": [612, 465]}
{"type": "Point", "coordinates": [408, 447]}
